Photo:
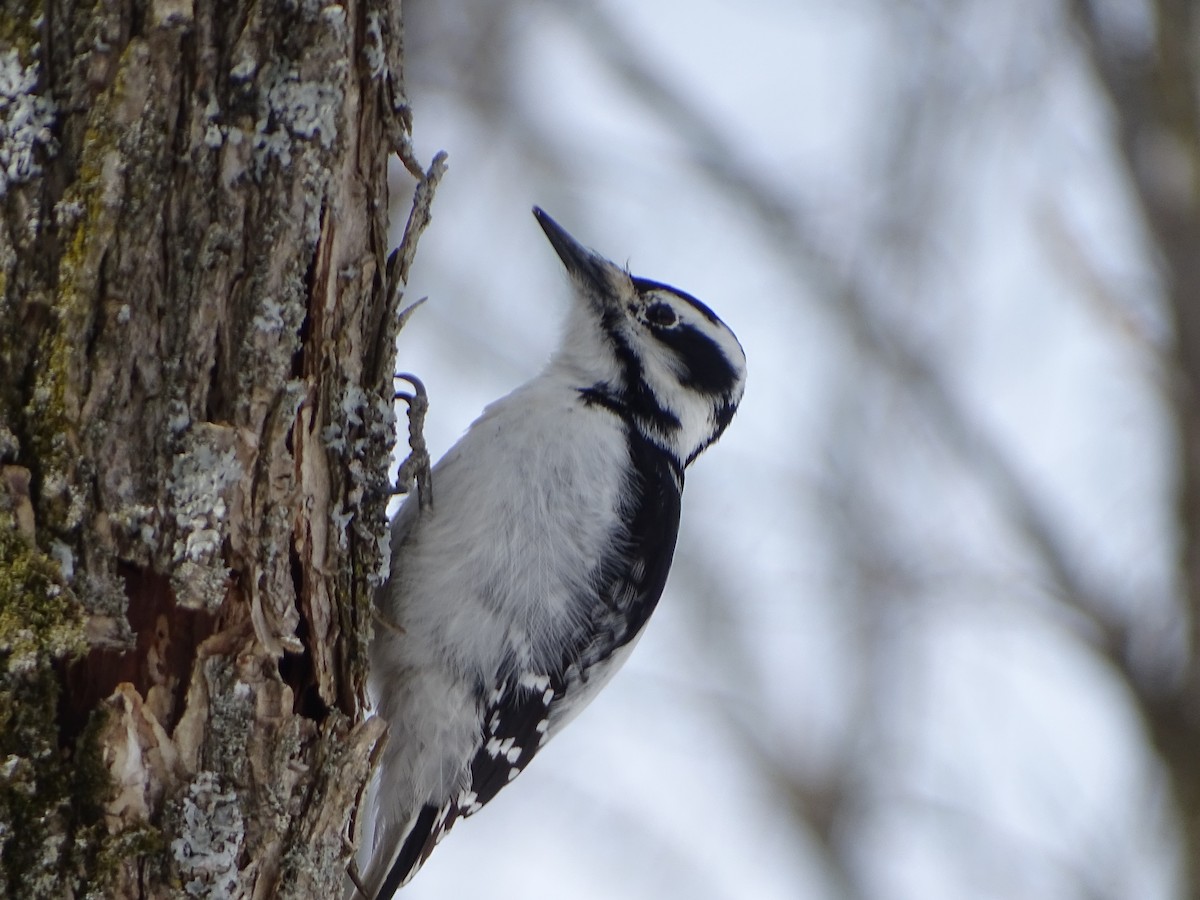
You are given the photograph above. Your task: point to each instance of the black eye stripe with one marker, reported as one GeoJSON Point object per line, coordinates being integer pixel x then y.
{"type": "Point", "coordinates": [707, 368]}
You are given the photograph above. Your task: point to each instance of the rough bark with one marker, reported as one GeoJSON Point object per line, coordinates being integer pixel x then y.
{"type": "Point", "coordinates": [196, 340]}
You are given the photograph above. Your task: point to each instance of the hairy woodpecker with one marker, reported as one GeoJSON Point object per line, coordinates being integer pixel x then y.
{"type": "Point", "coordinates": [519, 593]}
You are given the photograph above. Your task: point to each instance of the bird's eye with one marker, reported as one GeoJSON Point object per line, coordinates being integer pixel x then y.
{"type": "Point", "coordinates": [660, 314]}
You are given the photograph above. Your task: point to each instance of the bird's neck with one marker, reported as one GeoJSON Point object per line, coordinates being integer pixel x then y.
{"type": "Point", "coordinates": [649, 423]}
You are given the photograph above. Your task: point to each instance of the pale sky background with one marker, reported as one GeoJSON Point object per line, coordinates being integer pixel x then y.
{"type": "Point", "coordinates": [850, 596]}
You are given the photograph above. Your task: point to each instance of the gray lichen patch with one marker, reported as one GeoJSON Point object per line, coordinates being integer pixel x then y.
{"type": "Point", "coordinates": [293, 107]}
{"type": "Point", "coordinates": [210, 839]}
{"type": "Point", "coordinates": [204, 480]}
{"type": "Point", "coordinates": [26, 119]}
{"type": "Point", "coordinates": [202, 475]}
{"type": "Point", "coordinates": [374, 48]}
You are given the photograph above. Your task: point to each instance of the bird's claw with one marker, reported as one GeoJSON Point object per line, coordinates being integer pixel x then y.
{"type": "Point", "coordinates": [416, 466]}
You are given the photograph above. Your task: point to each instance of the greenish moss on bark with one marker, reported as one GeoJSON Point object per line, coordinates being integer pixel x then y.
{"type": "Point", "coordinates": [18, 26]}
{"type": "Point", "coordinates": [45, 793]}
{"type": "Point", "coordinates": [50, 416]}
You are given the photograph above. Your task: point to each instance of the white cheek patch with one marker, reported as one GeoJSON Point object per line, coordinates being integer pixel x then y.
{"type": "Point", "coordinates": [671, 381]}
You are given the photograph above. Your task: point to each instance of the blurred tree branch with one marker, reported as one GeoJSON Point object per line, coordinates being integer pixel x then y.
{"type": "Point", "coordinates": [867, 294]}
{"type": "Point", "coordinates": [848, 296]}
{"type": "Point", "coordinates": [884, 343]}
{"type": "Point", "coordinates": [1153, 90]}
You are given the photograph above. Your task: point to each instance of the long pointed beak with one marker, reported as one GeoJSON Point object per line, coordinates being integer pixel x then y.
{"type": "Point", "coordinates": [579, 260]}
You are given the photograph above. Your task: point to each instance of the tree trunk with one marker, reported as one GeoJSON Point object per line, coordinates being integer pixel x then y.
{"type": "Point", "coordinates": [197, 322]}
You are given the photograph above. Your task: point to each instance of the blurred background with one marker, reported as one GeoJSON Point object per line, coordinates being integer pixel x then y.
{"type": "Point", "coordinates": [931, 630]}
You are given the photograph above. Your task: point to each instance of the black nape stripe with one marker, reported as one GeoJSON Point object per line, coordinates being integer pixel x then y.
{"type": "Point", "coordinates": [600, 396]}
{"type": "Point", "coordinates": [634, 407]}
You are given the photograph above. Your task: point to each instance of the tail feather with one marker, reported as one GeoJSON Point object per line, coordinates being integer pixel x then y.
{"type": "Point", "coordinates": [431, 823]}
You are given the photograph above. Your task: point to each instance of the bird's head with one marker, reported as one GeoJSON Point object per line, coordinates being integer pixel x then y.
{"type": "Point", "coordinates": [650, 351]}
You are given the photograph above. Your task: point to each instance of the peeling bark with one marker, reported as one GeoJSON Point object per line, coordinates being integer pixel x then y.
{"type": "Point", "coordinates": [197, 317]}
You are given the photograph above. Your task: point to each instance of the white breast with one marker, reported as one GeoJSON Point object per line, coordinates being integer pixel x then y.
{"type": "Point", "coordinates": [524, 505]}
